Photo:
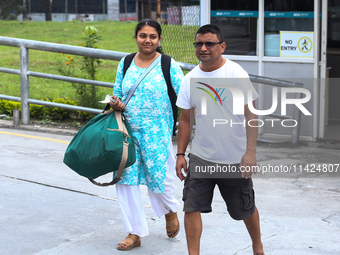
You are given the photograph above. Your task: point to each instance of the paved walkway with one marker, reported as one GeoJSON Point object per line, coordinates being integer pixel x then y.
{"type": "Point", "coordinates": [48, 209]}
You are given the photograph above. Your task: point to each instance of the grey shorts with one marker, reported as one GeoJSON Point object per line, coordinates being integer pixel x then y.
{"type": "Point", "coordinates": [237, 193]}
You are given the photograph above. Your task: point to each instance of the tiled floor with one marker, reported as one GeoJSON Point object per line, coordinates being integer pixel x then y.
{"type": "Point", "coordinates": [332, 130]}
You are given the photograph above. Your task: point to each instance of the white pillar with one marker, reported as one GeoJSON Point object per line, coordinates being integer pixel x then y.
{"type": "Point", "coordinates": [323, 67]}
{"type": "Point", "coordinates": [113, 10]}
{"type": "Point", "coordinates": [260, 52]}
{"type": "Point", "coordinates": [316, 102]}
{"type": "Point", "coordinates": [205, 8]}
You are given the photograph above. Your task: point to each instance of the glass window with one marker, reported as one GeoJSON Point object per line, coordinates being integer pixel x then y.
{"type": "Point", "coordinates": [333, 40]}
{"type": "Point", "coordinates": [285, 15]}
{"type": "Point", "coordinates": [238, 23]}
{"type": "Point", "coordinates": [83, 6]}
{"type": "Point", "coordinates": [131, 6]}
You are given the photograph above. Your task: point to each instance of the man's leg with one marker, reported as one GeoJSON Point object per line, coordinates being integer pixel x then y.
{"type": "Point", "coordinates": [198, 193]}
{"type": "Point", "coordinates": [193, 231]}
{"type": "Point", "coordinates": [240, 199]}
{"type": "Point", "coordinates": [253, 226]}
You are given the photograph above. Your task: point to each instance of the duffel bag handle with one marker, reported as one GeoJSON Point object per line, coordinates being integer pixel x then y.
{"type": "Point", "coordinates": [105, 184]}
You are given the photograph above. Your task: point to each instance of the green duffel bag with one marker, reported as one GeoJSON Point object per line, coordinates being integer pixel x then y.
{"type": "Point", "coordinates": [102, 146]}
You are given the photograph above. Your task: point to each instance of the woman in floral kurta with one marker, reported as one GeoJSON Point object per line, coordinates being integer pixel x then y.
{"type": "Point", "coordinates": [149, 114]}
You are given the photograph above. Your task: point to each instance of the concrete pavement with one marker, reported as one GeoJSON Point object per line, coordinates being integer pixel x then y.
{"type": "Point", "coordinates": [48, 209]}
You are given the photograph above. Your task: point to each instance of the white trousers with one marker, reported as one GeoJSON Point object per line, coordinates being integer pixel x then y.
{"type": "Point", "coordinates": [129, 198]}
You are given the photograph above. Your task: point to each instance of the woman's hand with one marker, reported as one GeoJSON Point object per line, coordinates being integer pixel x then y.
{"type": "Point", "coordinates": [118, 105]}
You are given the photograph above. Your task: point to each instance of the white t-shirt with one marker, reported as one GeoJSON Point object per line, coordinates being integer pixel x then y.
{"type": "Point", "coordinates": [220, 134]}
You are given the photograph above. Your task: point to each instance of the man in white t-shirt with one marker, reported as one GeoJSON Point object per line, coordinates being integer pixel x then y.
{"type": "Point", "coordinates": [219, 90]}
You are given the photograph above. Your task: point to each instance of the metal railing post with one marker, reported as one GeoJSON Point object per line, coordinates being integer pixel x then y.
{"type": "Point", "coordinates": [24, 85]}
{"type": "Point", "coordinates": [297, 117]}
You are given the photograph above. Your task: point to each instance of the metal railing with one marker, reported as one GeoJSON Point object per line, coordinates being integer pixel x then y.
{"type": "Point", "coordinates": [297, 114]}
{"type": "Point", "coordinates": [24, 73]}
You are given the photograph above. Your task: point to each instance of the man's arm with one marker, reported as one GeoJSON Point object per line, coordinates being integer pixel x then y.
{"type": "Point", "coordinates": [248, 161]}
{"type": "Point", "coordinates": [184, 133]}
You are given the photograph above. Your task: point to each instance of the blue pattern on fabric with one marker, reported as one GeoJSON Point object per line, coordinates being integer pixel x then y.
{"type": "Point", "coordinates": [149, 114]}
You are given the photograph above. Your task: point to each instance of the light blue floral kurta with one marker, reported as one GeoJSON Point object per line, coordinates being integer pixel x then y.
{"type": "Point", "coordinates": [149, 113]}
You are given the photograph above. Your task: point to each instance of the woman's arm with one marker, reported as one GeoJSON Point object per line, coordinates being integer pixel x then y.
{"type": "Point", "coordinates": [118, 92]}
{"type": "Point", "coordinates": [176, 75]}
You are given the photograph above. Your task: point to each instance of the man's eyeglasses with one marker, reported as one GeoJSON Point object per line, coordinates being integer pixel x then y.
{"type": "Point", "coordinates": [208, 45]}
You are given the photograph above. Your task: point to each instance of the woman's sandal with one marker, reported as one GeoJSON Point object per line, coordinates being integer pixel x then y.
{"type": "Point", "coordinates": [172, 230]}
{"type": "Point", "coordinates": [128, 243]}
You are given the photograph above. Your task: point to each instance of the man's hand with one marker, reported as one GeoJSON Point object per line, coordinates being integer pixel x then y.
{"type": "Point", "coordinates": [248, 165]}
{"type": "Point", "coordinates": [118, 105]}
{"type": "Point", "coordinates": [181, 163]}
{"type": "Point", "coordinates": [184, 133]}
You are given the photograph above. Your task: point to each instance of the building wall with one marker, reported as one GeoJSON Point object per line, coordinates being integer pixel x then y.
{"type": "Point", "coordinates": [61, 17]}
{"type": "Point", "coordinates": [36, 10]}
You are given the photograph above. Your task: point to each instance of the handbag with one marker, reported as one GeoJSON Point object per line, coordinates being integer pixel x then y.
{"type": "Point", "coordinates": [105, 144]}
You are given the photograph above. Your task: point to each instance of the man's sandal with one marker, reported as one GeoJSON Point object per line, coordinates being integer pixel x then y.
{"type": "Point", "coordinates": [172, 230]}
{"type": "Point", "coordinates": [131, 241]}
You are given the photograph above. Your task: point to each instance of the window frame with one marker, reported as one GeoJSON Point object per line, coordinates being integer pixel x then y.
{"type": "Point", "coordinates": [260, 57]}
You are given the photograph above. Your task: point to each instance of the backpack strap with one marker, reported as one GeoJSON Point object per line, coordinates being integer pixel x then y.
{"type": "Point", "coordinates": [127, 62]}
{"type": "Point", "coordinates": [166, 64]}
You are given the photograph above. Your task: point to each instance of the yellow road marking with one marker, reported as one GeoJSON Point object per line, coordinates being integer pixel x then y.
{"type": "Point", "coordinates": [35, 137]}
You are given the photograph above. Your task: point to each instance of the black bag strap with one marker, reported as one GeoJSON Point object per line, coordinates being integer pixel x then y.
{"type": "Point", "coordinates": [166, 64]}
{"type": "Point", "coordinates": [127, 62]}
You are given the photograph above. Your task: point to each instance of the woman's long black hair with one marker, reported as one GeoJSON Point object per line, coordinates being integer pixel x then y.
{"type": "Point", "coordinates": [151, 23]}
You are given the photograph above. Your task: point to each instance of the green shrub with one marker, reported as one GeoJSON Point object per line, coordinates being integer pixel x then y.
{"type": "Point", "coordinates": [7, 107]}
{"type": "Point", "coordinates": [58, 114]}
{"type": "Point", "coordinates": [39, 111]}
{"type": "Point", "coordinates": [2, 106]}
{"type": "Point", "coordinates": [68, 65]}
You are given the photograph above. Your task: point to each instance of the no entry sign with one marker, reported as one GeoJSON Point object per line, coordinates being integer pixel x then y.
{"type": "Point", "coordinates": [296, 44]}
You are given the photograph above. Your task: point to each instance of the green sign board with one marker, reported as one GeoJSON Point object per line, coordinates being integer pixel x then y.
{"type": "Point", "coordinates": [234, 14]}
{"type": "Point", "coordinates": [269, 14]}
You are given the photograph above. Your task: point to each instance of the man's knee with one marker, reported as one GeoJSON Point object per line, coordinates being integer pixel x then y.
{"type": "Point", "coordinates": [241, 214]}
{"type": "Point", "coordinates": [191, 215]}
